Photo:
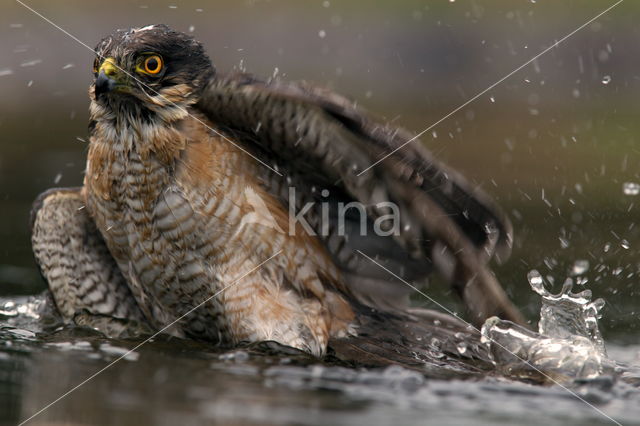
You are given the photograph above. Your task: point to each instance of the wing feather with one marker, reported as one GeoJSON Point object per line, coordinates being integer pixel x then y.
{"type": "Point", "coordinates": [319, 139]}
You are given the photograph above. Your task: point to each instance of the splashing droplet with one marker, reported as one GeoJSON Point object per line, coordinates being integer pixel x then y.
{"type": "Point", "coordinates": [606, 79]}
{"type": "Point", "coordinates": [435, 343]}
{"type": "Point", "coordinates": [580, 266]}
{"type": "Point", "coordinates": [631, 188]}
{"type": "Point", "coordinates": [536, 282]}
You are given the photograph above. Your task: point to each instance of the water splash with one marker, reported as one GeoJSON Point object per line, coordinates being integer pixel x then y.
{"type": "Point", "coordinates": [567, 346]}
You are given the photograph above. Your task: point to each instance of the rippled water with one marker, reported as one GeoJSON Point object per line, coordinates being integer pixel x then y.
{"type": "Point", "coordinates": [174, 381]}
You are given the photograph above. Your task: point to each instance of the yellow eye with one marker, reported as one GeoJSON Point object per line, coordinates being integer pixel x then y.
{"type": "Point", "coordinates": [152, 64]}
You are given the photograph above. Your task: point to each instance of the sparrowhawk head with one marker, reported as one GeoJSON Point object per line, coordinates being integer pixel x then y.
{"type": "Point", "coordinates": [148, 69]}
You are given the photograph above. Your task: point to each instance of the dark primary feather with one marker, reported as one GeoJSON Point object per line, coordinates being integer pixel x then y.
{"type": "Point", "coordinates": [321, 140]}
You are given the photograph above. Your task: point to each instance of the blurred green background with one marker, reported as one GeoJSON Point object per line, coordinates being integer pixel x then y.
{"type": "Point", "coordinates": [554, 143]}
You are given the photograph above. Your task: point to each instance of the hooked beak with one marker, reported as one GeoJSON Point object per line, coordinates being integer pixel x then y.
{"type": "Point", "coordinates": [109, 78]}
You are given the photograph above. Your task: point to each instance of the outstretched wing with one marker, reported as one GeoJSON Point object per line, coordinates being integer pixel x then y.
{"type": "Point", "coordinates": [318, 140]}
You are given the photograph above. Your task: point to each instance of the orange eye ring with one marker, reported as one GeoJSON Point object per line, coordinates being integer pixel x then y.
{"type": "Point", "coordinates": [152, 64]}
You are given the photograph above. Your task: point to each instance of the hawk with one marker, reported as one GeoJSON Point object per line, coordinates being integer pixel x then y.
{"type": "Point", "coordinates": [188, 195]}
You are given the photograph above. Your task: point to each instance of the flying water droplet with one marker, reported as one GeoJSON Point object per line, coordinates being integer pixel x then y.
{"type": "Point", "coordinates": [606, 79]}
{"type": "Point", "coordinates": [631, 188]}
{"type": "Point", "coordinates": [435, 343]}
{"type": "Point", "coordinates": [31, 63]}
{"type": "Point", "coordinates": [536, 282]}
{"type": "Point", "coordinates": [580, 266]}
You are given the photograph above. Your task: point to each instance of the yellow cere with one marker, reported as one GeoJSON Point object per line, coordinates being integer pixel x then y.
{"type": "Point", "coordinates": [109, 67]}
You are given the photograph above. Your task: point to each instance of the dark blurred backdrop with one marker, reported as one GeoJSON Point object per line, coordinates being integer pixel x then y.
{"type": "Point", "coordinates": [555, 143]}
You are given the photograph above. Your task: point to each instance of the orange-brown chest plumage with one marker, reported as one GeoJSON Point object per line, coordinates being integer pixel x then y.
{"type": "Point", "coordinates": [185, 217]}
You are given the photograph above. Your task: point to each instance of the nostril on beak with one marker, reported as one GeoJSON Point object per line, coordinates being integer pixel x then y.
{"type": "Point", "coordinates": [109, 67]}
